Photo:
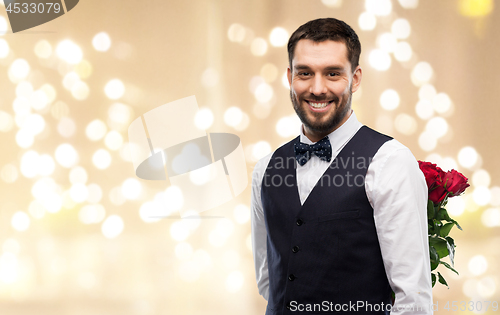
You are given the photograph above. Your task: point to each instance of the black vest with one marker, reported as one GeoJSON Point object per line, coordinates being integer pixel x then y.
{"type": "Point", "coordinates": [326, 249]}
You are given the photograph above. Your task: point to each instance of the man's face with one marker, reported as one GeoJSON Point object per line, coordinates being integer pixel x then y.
{"type": "Point", "coordinates": [321, 85]}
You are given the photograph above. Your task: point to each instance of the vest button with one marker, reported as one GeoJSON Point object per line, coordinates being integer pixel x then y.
{"type": "Point", "coordinates": [291, 277]}
{"type": "Point", "coordinates": [295, 249]}
{"type": "Point", "coordinates": [299, 222]}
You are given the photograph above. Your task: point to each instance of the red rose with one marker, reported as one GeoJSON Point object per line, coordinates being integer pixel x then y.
{"type": "Point", "coordinates": [438, 193]}
{"type": "Point", "coordinates": [432, 173]}
{"type": "Point", "coordinates": [455, 182]}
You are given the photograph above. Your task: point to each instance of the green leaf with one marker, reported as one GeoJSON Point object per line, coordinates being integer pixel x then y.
{"type": "Point", "coordinates": [433, 277]}
{"type": "Point", "coordinates": [430, 210]}
{"type": "Point", "coordinates": [434, 258]}
{"type": "Point", "coordinates": [448, 266]}
{"type": "Point", "coordinates": [443, 215]}
{"type": "Point", "coordinates": [437, 226]}
{"type": "Point", "coordinates": [441, 280]}
{"type": "Point", "coordinates": [445, 229]}
{"type": "Point", "coordinates": [441, 246]}
{"type": "Point", "coordinates": [456, 223]}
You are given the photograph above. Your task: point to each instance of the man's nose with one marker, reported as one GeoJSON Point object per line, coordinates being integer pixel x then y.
{"type": "Point", "coordinates": [318, 86]}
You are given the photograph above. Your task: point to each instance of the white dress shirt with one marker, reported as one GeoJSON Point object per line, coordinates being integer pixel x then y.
{"type": "Point", "coordinates": [397, 192]}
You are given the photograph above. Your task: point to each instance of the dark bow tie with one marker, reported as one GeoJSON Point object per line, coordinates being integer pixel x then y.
{"type": "Point", "coordinates": [321, 149]}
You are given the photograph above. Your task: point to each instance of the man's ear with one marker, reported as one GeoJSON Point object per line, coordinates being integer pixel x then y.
{"type": "Point", "coordinates": [356, 79]}
{"type": "Point", "coordinates": [289, 74]}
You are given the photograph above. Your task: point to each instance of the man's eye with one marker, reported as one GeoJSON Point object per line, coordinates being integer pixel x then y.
{"type": "Point", "coordinates": [333, 74]}
{"type": "Point", "coordinates": [303, 73]}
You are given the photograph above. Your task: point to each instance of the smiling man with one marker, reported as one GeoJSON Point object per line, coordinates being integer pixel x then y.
{"type": "Point", "coordinates": [339, 212]}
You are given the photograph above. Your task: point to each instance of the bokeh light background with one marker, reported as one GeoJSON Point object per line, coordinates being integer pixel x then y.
{"type": "Point", "coordinates": [77, 228]}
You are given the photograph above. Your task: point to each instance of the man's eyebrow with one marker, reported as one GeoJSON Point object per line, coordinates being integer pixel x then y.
{"type": "Point", "coordinates": [329, 68]}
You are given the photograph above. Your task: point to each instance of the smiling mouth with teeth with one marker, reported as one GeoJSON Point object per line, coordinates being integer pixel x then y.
{"type": "Point", "coordinates": [319, 105]}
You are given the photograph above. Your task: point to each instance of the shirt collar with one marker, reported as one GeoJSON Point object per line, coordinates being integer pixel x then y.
{"type": "Point", "coordinates": [340, 136]}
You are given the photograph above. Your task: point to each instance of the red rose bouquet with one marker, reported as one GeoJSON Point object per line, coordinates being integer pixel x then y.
{"type": "Point", "coordinates": [442, 185]}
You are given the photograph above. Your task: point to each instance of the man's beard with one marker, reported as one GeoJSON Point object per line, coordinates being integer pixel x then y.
{"type": "Point", "coordinates": [341, 110]}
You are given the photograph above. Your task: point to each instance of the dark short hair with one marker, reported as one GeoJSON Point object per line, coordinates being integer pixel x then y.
{"type": "Point", "coordinates": [320, 30]}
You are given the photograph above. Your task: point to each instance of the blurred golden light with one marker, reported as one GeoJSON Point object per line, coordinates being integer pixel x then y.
{"type": "Point", "coordinates": [409, 4]}
{"type": "Point", "coordinates": [387, 42]}
{"type": "Point", "coordinates": [403, 51]}
{"type": "Point", "coordinates": [83, 69]}
{"type": "Point", "coordinates": [401, 28]}
{"type": "Point", "coordinates": [179, 231]}
{"type": "Point", "coordinates": [119, 113]}
{"type": "Point", "coordinates": [367, 21]}
{"type": "Point", "coordinates": [332, 3]}
{"type": "Point", "coordinates": [481, 178]}
{"type": "Point", "coordinates": [269, 72]}
{"type": "Point", "coordinates": [456, 206]}
{"type": "Point", "coordinates": [225, 227]}
{"type": "Point", "coordinates": [114, 89]}
{"type": "Point", "coordinates": [245, 121]}
{"type": "Point", "coordinates": [475, 8]}
{"type": "Point", "coordinates": [36, 209]}
{"type": "Point", "coordinates": [216, 239]}
{"type": "Point", "coordinates": [8, 264]}
{"type": "Point", "coordinates": [279, 37]}
{"type": "Point", "coordinates": [258, 47]}
{"type": "Point", "coordinates": [231, 259]}
{"type": "Point", "coordinates": [389, 99]}
{"type": "Point", "coordinates": [11, 245]}
{"type": "Point", "coordinates": [101, 159]}
{"type": "Point", "coordinates": [427, 92]}
{"type": "Point", "coordinates": [421, 73]}
{"type": "Point", "coordinates": [112, 226]}
{"type": "Point", "coordinates": [149, 212]}
{"type": "Point", "coordinates": [442, 103]}
{"type": "Point", "coordinates": [378, 7]}
{"type": "Point", "coordinates": [192, 219]}
{"type": "Point", "coordinates": [91, 214]}
{"type": "Point", "coordinates": [210, 77]}
{"type": "Point", "coordinates": [78, 175]}
{"type": "Point", "coordinates": [405, 124]}
{"type": "Point", "coordinates": [183, 251]}
{"type": "Point", "coordinates": [233, 116]}
{"type": "Point", "coordinates": [236, 33]}
{"type": "Point", "coordinates": [19, 70]}
{"type": "Point", "coordinates": [113, 140]}
{"type": "Point", "coordinates": [234, 281]}
{"type": "Point", "coordinates": [39, 100]}
{"type": "Point", "coordinates": [79, 192]}
{"type": "Point", "coordinates": [424, 109]}
{"type": "Point", "coordinates": [264, 93]}
{"type": "Point", "coordinates": [86, 280]}
{"type": "Point", "coordinates": [288, 126]}
{"type": "Point", "coordinates": [116, 197]}
{"type": "Point", "coordinates": [70, 79]}
{"type": "Point", "coordinates": [202, 175]}
{"type": "Point", "coordinates": [6, 121]}
{"type": "Point", "coordinates": [495, 196]}
{"type": "Point", "coordinates": [204, 119]}
{"type": "Point", "coordinates": [449, 163]}
{"type": "Point", "coordinates": [24, 138]}
{"type": "Point", "coordinates": [96, 130]}
{"type": "Point", "coordinates": [101, 41]}
{"type": "Point", "coordinates": [174, 198]}
{"type": "Point", "coordinates": [4, 48]}
{"type": "Point", "coordinates": [379, 60]}
{"type": "Point", "coordinates": [67, 201]}
{"type": "Point", "coordinates": [29, 164]}
{"type": "Point", "coordinates": [491, 217]}
{"type": "Point", "coordinates": [59, 110]}
{"type": "Point", "coordinates": [486, 287]}
{"type": "Point", "coordinates": [478, 265]}
{"type": "Point", "coordinates": [46, 165]}
{"type": "Point", "coordinates": [189, 271]}
{"type": "Point", "coordinates": [43, 49]}
{"type": "Point", "coordinates": [248, 242]}
{"type": "Point", "coordinates": [437, 126]}
{"type": "Point", "coordinates": [66, 155]}
{"type": "Point", "coordinates": [52, 202]}
{"type": "Point", "coordinates": [261, 149]}
{"type": "Point", "coordinates": [80, 90]}
{"type": "Point", "coordinates": [468, 157]}
{"type": "Point", "coordinates": [34, 124]}
{"type": "Point", "coordinates": [469, 288]}
{"type": "Point", "coordinates": [95, 193]}
{"type": "Point", "coordinates": [131, 188]}
{"type": "Point", "coordinates": [20, 221]}
{"type": "Point", "coordinates": [255, 81]}
{"type": "Point", "coordinates": [24, 89]}
{"type": "Point", "coordinates": [284, 81]}
{"type": "Point", "coordinates": [66, 127]}
{"type": "Point", "coordinates": [69, 52]}
{"type": "Point", "coordinates": [241, 214]}
{"type": "Point", "coordinates": [9, 173]}
{"type": "Point", "coordinates": [261, 111]}
{"type": "Point", "coordinates": [481, 195]}
{"type": "Point", "coordinates": [427, 141]}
